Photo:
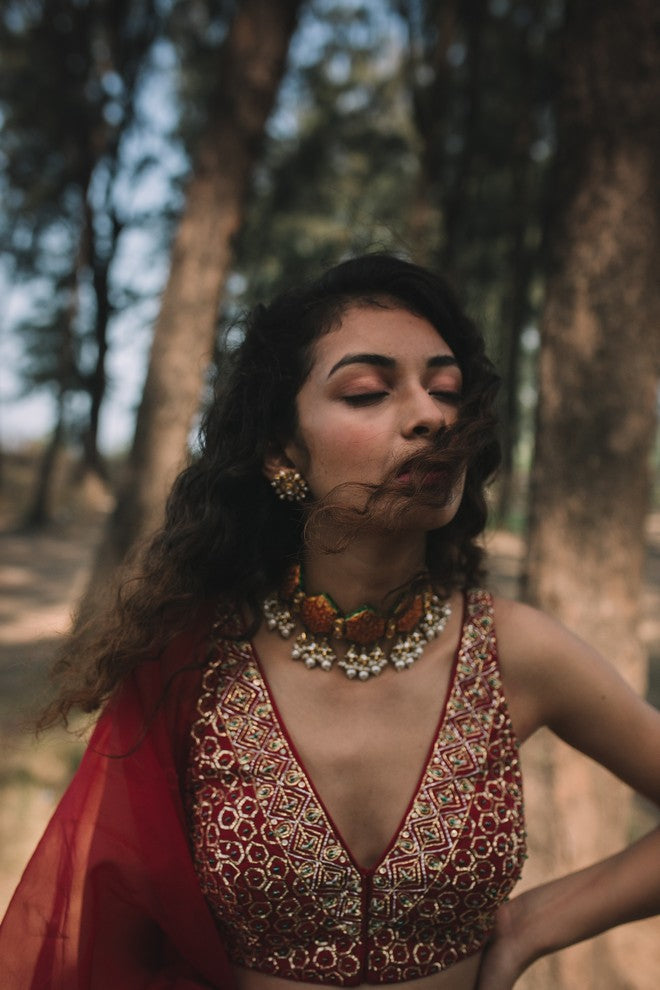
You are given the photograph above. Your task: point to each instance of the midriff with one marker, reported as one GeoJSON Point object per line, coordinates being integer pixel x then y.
{"type": "Point", "coordinates": [461, 976]}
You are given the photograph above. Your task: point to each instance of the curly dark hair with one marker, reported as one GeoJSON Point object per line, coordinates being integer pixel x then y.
{"type": "Point", "coordinates": [225, 535]}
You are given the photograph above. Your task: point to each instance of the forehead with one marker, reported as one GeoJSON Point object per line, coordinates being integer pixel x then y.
{"type": "Point", "coordinates": [391, 331]}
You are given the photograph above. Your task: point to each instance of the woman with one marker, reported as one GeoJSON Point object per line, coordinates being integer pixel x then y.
{"type": "Point", "coordinates": [287, 784]}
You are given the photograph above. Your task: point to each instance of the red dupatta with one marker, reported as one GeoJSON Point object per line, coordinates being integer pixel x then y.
{"type": "Point", "coordinates": [110, 899]}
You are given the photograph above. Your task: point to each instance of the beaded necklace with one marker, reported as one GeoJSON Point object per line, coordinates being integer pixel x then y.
{"type": "Point", "coordinates": [414, 621]}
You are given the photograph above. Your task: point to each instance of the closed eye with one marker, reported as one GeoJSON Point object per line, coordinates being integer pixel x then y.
{"type": "Point", "coordinates": [365, 398]}
{"type": "Point", "coordinates": [446, 396]}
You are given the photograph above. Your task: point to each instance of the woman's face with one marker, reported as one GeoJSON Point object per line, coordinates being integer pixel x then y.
{"type": "Point", "coordinates": [380, 388]}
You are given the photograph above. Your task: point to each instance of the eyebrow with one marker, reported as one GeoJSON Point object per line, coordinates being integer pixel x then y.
{"type": "Point", "coordinates": [381, 361]}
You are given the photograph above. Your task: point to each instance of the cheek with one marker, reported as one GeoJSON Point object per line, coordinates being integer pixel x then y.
{"type": "Point", "coordinates": [352, 443]}
{"type": "Point", "coordinates": [346, 452]}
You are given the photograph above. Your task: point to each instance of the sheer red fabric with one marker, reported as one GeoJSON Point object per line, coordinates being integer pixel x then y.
{"type": "Point", "coordinates": [110, 898]}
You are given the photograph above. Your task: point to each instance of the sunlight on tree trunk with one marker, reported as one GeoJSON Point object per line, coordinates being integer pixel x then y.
{"type": "Point", "coordinates": [596, 422]}
{"type": "Point", "coordinates": [249, 71]}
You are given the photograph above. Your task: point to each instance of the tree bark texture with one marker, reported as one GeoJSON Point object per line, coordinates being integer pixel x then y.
{"type": "Point", "coordinates": [596, 422]}
{"type": "Point", "coordinates": [250, 67]}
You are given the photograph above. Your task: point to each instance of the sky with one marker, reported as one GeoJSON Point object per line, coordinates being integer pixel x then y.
{"type": "Point", "coordinates": [139, 267]}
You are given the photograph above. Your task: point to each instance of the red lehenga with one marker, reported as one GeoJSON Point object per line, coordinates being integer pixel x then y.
{"type": "Point", "coordinates": [110, 900]}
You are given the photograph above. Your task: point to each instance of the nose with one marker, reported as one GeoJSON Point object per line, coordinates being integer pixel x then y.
{"type": "Point", "coordinates": [424, 415]}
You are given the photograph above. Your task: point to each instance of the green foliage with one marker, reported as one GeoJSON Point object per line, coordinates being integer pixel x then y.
{"type": "Point", "coordinates": [340, 168]}
{"type": "Point", "coordinates": [420, 126]}
{"type": "Point", "coordinates": [67, 92]}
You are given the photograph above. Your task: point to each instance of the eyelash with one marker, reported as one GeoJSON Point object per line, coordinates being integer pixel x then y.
{"type": "Point", "coordinates": [447, 396]}
{"type": "Point", "coordinates": [371, 398]}
{"type": "Point", "coordinates": [365, 398]}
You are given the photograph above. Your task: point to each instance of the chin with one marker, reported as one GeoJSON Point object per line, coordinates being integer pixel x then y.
{"type": "Point", "coordinates": [416, 515]}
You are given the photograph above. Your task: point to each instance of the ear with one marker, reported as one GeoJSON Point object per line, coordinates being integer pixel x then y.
{"type": "Point", "coordinates": [276, 458]}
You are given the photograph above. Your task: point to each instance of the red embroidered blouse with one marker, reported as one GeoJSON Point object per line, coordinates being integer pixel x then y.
{"type": "Point", "coordinates": [288, 897]}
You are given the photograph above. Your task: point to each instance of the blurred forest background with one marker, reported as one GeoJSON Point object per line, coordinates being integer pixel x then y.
{"type": "Point", "coordinates": [165, 164]}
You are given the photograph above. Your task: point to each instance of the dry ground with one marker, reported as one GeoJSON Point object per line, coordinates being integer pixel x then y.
{"type": "Point", "coordinates": [42, 574]}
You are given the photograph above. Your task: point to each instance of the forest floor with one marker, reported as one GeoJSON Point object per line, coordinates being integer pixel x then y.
{"type": "Point", "coordinates": [42, 575]}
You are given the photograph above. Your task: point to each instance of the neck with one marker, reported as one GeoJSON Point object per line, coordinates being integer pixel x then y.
{"type": "Point", "coordinates": [367, 571]}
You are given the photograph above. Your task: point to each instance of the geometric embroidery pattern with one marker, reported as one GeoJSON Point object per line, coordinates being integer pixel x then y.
{"type": "Point", "coordinates": [286, 894]}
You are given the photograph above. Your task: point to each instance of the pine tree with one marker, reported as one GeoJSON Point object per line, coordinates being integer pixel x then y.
{"type": "Point", "coordinates": [248, 71]}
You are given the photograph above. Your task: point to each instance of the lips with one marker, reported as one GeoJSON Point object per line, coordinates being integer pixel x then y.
{"type": "Point", "coordinates": [434, 478]}
{"type": "Point", "coordinates": [405, 473]}
{"type": "Point", "coordinates": [426, 479]}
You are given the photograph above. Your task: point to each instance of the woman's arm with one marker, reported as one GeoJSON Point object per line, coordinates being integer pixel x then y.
{"type": "Point", "coordinates": [622, 888]}
{"type": "Point", "coordinates": [558, 681]}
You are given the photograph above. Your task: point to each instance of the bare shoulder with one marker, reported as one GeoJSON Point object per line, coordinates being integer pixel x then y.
{"type": "Point", "coordinates": [553, 678]}
{"type": "Point", "coordinates": [535, 648]}
{"type": "Point", "coordinates": [532, 647]}
{"type": "Point", "coordinates": [532, 644]}
{"type": "Point", "coordinates": [540, 655]}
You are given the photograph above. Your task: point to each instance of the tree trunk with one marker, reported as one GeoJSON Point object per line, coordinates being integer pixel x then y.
{"type": "Point", "coordinates": [515, 310]}
{"type": "Point", "coordinates": [249, 71]}
{"type": "Point", "coordinates": [92, 463]}
{"type": "Point", "coordinates": [39, 513]}
{"type": "Point", "coordinates": [473, 13]}
{"type": "Point", "coordinates": [127, 30]}
{"type": "Point", "coordinates": [521, 264]}
{"type": "Point", "coordinates": [431, 101]}
{"type": "Point", "coordinates": [596, 421]}
{"type": "Point", "coordinates": [429, 83]}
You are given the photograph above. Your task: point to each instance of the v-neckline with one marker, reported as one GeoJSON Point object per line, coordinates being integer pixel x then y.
{"type": "Point", "coordinates": [366, 871]}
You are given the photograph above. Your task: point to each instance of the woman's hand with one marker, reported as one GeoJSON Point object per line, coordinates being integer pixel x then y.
{"type": "Point", "coordinates": [622, 888]}
{"type": "Point", "coordinates": [555, 680]}
{"type": "Point", "coordinates": [504, 960]}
